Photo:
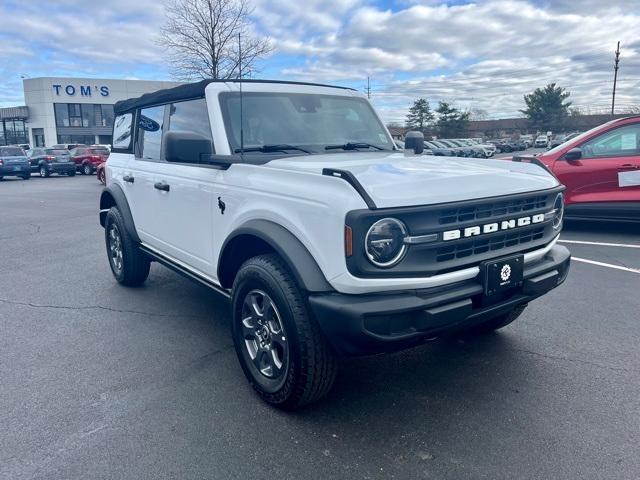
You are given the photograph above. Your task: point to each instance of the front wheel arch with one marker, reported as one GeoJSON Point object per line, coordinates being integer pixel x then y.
{"type": "Point", "coordinates": [257, 237]}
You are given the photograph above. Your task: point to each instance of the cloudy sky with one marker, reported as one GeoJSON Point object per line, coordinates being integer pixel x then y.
{"type": "Point", "coordinates": [481, 55]}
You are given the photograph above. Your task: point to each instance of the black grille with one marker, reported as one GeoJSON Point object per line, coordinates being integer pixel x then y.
{"type": "Point", "coordinates": [482, 245]}
{"type": "Point", "coordinates": [491, 210]}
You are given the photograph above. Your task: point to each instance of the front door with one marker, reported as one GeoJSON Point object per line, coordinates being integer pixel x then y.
{"type": "Point", "coordinates": [606, 169]}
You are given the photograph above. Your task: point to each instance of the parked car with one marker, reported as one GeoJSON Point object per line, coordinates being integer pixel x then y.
{"type": "Point", "coordinates": [14, 163]}
{"type": "Point", "coordinates": [541, 141]}
{"type": "Point", "coordinates": [528, 140]}
{"type": "Point", "coordinates": [485, 150]}
{"type": "Point", "coordinates": [560, 139]}
{"type": "Point", "coordinates": [439, 149]}
{"type": "Point", "coordinates": [101, 173]}
{"type": "Point", "coordinates": [499, 145]}
{"type": "Point", "coordinates": [46, 161]}
{"type": "Point", "coordinates": [470, 150]}
{"type": "Point", "coordinates": [457, 150]}
{"type": "Point", "coordinates": [601, 170]}
{"type": "Point", "coordinates": [326, 242]}
{"type": "Point", "coordinates": [87, 159]}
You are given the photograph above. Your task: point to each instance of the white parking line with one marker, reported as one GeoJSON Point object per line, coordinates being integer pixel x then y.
{"type": "Point", "coordinates": [601, 244]}
{"type": "Point", "coordinates": [608, 265]}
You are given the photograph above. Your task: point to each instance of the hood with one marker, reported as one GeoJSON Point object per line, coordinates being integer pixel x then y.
{"type": "Point", "coordinates": [393, 180]}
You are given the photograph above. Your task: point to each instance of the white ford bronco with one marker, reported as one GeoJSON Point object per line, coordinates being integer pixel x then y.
{"type": "Point", "coordinates": [292, 200]}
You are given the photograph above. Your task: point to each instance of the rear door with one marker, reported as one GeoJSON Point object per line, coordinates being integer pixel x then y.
{"type": "Point", "coordinates": [601, 174]}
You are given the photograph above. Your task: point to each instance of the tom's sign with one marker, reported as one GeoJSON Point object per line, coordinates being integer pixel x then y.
{"type": "Point", "coordinates": [82, 90]}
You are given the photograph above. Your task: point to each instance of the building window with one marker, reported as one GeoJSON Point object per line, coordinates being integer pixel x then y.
{"type": "Point", "coordinates": [104, 139]}
{"type": "Point", "coordinates": [13, 132]}
{"type": "Point", "coordinates": [107, 115]}
{"type": "Point", "coordinates": [75, 115]}
{"type": "Point", "coordinates": [76, 139]}
{"type": "Point", "coordinates": [62, 114]}
{"type": "Point", "coordinates": [38, 137]}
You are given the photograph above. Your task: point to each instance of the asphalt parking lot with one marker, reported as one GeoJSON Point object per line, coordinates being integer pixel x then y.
{"type": "Point", "coordinates": [100, 381]}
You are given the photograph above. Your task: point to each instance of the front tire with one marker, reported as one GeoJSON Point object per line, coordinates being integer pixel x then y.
{"type": "Point", "coordinates": [71, 173]}
{"type": "Point", "coordinates": [129, 265]}
{"type": "Point", "coordinates": [86, 169]}
{"type": "Point", "coordinates": [26, 177]}
{"type": "Point", "coordinates": [44, 172]}
{"type": "Point", "coordinates": [281, 349]}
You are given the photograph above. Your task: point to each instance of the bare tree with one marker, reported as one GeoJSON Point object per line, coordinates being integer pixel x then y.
{"type": "Point", "coordinates": [201, 39]}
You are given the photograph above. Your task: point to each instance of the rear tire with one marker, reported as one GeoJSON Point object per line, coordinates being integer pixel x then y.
{"type": "Point", "coordinates": [72, 173]}
{"type": "Point", "coordinates": [281, 349]}
{"type": "Point", "coordinates": [496, 323]}
{"type": "Point", "coordinates": [129, 265]}
{"type": "Point", "coordinates": [86, 169]}
{"type": "Point", "coordinates": [26, 177]}
{"type": "Point", "coordinates": [44, 172]}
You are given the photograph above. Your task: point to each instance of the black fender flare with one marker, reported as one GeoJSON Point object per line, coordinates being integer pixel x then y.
{"type": "Point", "coordinates": [301, 263]}
{"type": "Point", "coordinates": [113, 195]}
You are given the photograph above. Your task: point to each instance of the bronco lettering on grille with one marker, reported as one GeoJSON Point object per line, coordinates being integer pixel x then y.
{"type": "Point", "coordinates": [492, 227]}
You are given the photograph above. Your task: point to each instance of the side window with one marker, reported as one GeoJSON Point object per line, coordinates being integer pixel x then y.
{"type": "Point", "coordinates": [122, 131]}
{"type": "Point", "coordinates": [190, 117]}
{"type": "Point", "coordinates": [623, 141]}
{"type": "Point", "coordinates": [149, 133]}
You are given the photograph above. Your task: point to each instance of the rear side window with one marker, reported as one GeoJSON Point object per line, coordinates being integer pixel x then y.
{"type": "Point", "coordinates": [122, 131]}
{"type": "Point", "coordinates": [149, 133]}
{"type": "Point", "coordinates": [56, 151]}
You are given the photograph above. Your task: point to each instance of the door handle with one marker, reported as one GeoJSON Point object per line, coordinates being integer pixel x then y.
{"type": "Point", "coordinates": [629, 166]}
{"type": "Point", "coordinates": [161, 186]}
{"type": "Point", "coordinates": [128, 179]}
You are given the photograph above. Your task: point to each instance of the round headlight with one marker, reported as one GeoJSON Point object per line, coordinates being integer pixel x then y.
{"type": "Point", "coordinates": [558, 208]}
{"type": "Point", "coordinates": [384, 242]}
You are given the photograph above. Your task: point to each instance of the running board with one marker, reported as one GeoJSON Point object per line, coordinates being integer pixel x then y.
{"type": "Point", "coordinates": [170, 264]}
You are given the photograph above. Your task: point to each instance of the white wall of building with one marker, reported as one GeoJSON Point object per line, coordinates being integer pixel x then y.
{"type": "Point", "coordinates": [41, 93]}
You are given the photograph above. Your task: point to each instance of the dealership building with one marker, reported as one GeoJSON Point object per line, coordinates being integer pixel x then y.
{"type": "Point", "coordinates": [68, 110]}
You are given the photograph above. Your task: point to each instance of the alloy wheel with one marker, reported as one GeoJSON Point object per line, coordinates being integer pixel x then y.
{"type": "Point", "coordinates": [264, 337]}
{"type": "Point", "coordinates": [115, 248]}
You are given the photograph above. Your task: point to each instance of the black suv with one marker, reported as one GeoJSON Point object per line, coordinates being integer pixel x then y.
{"type": "Point", "coordinates": [51, 160]}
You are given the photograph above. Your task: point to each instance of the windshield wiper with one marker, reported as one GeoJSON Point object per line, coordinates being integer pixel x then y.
{"type": "Point", "coordinates": [352, 146]}
{"type": "Point", "coordinates": [279, 147]}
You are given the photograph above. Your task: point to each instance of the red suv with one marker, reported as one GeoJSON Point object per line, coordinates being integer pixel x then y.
{"type": "Point", "coordinates": [87, 159]}
{"type": "Point", "coordinates": [601, 170]}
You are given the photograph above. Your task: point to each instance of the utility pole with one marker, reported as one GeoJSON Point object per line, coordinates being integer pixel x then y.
{"type": "Point", "coordinates": [615, 78]}
{"type": "Point", "coordinates": [368, 89]}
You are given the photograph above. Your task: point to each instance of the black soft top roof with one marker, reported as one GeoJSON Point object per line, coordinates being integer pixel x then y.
{"type": "Point", "coordinates": [188, 91]}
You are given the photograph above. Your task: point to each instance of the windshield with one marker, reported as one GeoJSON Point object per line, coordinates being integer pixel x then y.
{"type": "Point", "coordinates": [311, 122]}
{"type": "Point", "coordinates": [11, 152]}
{"type": "Point", "coordinates": [580, 137]}
{"type": "Point", "coordinates": [56, 151]}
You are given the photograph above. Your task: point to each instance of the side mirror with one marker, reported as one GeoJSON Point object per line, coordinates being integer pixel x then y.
{"type": "Point", "coordinates": [183, 147]}
{"type": "Point", "coordinates": [573, 154]}
{"type": "Point", "coordinates": [414, 142]}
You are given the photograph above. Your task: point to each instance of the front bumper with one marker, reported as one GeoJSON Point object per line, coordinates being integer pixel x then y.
{"type": "Point", "coordinates": [374, 323]}
{"type": "Point", "coordinates": [17, 170]}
